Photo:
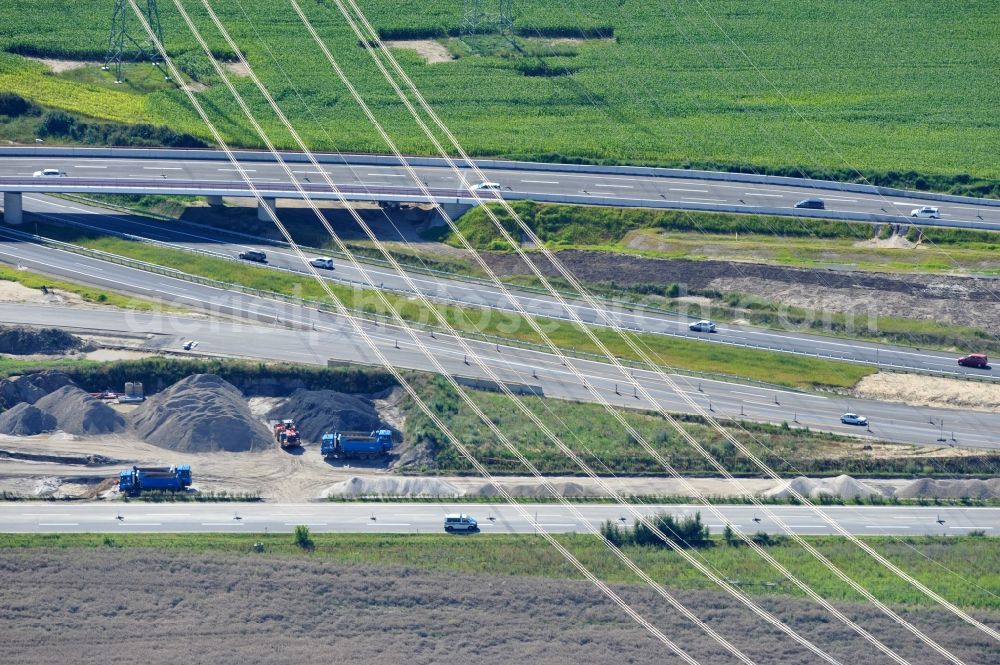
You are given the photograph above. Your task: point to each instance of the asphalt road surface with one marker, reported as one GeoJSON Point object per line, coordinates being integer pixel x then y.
{"type": "Point", "coordinates": [606, 189]}
{"type": "Point", "coordinates": [318, 337]}
{"type": "Point", "coordinates": [33, 517]}
{"type": "Point", "coordinates": [228, 245]}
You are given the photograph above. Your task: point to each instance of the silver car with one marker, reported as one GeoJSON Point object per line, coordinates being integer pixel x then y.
{"type": "Point", "coordinates": [853, 419]}
{"type": "Point", "coordinates": [702, 326]}
{"type": "Point", "coordinates": [926, 212]}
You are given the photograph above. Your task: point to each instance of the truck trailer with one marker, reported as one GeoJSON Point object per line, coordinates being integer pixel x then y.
{"type": "Point", "coordinates": [359, 445]}
{"type": "Point", "coordinates": [142, 478]}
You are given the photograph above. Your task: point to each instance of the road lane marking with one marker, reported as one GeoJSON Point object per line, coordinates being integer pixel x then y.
{"type": "Point", "coordinates": [84, 166]}
{"type": "Point", "coordinates": [233, 523]}
{"type": "Point", "coordinates": [773, 196]}
{"type": "Point", "coordinates": [370, 523]}
{"type": "Point", "coordinates": [306, 523]}
{"type": "Point", "coordinates": [58, 524]}
{"type": "Point", "coordinates": [886, 526]}
{"type": "Point", "coordinates": [696, 191]}
{"type": "Point", "coordinates": [124, 523]}
{"type": "Point", "coordinates": [161, 168]}
{"type": "Point", "coordinates": [694, 198]}
{"type": "Point", "coordinates": [601, 184]}
{"type": "Point", "coordinates": [542, 182]}
{"type": "Point", "coordinates": [389, 175]}
{"type": "Point", "coordinates": [237, 170]}
{"type": "Point", "coordinates": [970, 527]}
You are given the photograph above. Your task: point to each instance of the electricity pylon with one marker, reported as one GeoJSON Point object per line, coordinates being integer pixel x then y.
{"type": "Point", "coordinates": [119, 38]}
{"type": "Point", "coordinates": [505, 20]}
{"type": "Point", "coordinates": [473, 17]}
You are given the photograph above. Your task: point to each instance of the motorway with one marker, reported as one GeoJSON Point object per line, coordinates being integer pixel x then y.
{"type": "Point", "coordinates": [180, 172]}
{"type": "Point", "coordinates": [316, 337]}
{"type": "Point", "coordinates": [225, 244]}
{"type": "Point", "coordinates": [32, 517]}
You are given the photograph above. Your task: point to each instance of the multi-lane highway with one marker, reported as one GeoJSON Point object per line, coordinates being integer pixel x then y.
{"type": "Point", "coordinates": [493, 518]}
{"type": "Point", "coordinates": [318, 337]}
{"type": "Point", "coordinates": [228, 245]}
{"type": "Point", "coordinates": [174, 171]}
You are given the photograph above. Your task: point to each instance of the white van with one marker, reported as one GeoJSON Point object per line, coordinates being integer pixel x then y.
{"type": "Point", "coordinates": [460, 522]}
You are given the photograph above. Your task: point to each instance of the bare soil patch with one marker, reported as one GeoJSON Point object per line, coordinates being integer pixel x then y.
{"type": "Point", "coordinates": [238, 69]}
{"type": "Point", "coordinates": [931, 391]}
{"type": "Point", "coordinates": [430, 50]}
{"type": "Point", "coordinates": [962, 301]}
{"type": "Point", "coordinates": [58, 66]}
{"type": "Point", "coordinates": [210, 608]}
{"type": "Point", "coordinates": [16, 292]}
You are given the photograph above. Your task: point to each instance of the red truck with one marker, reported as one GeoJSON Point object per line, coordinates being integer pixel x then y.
{"type": "Point", "coordinates": [286, 433]}
{"type": "Point", "coordinates": [975, 360]}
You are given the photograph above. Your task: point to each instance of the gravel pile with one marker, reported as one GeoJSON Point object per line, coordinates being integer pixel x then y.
{"type": "Point", "coordinates": [18, 340]}
{"type": "Point", "coordinates": [392, 486]}
{"type": "Point", "coordinates": [26, 420]}
{"type": "Point", "coordinates": [951, 489]}
{"type": "Point", "coordinates": [567, 489]}
{"type": "Point", "coordinates": [31, 387]}
{"type": "Point", "coordinates": [76, 412]}
{"type": "Point", "coordinates": [843, 487]}
{"type": "Point", "coordinates": [201, 413]}
{"type": "Point", "coordinates": [317, 412]}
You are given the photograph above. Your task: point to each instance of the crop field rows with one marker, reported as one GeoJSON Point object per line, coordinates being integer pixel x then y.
{"type": "Point", "coordinates": [877, 87]}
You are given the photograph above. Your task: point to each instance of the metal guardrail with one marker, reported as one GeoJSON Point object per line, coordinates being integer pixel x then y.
{"type": "Point", "coordinates": [492, 164]}
{"type": "Point", "coordinates": [843, 357]}
{"type": "Point", "coordinates": [378, 319]}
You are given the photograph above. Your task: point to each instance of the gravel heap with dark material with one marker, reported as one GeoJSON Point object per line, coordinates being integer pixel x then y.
{"type": "Point", "coordinates": [198, 414]}
{"type": "Point", "coordinates": [26, 420]}
{"type": "Point", "coordinates": [76, 412]}
{"type": "Point", "coordinates": [19, 340]}
{"type": "Point", "coordinates": [31, 387]}
{"type": "Point", "coordinates": [317, 412]}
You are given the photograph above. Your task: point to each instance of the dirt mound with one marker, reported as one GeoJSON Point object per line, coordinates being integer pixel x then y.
{"type": "Point", "coordinates": [317, 412]}
{"type": "Point", "coordinates": [951, 489]}
{"type": "Point", "coordinates": [76, 412]}
{"type": "Point", "coordinates": [201, 413]}
{"type": "Point", "coordinates": [567, 489]}
{"type": "Point", "coordinates": [19, 340]}
{"type": "Point", "coordinates": [26, 420]}
{"type": "Point", "coordinates": [31, 387]}
{"type": "Point", "coordinates": [843, 487]}
{"type": "Point", "coordinates": [392, 486]}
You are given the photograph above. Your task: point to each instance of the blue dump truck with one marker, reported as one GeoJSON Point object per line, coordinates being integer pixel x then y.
{"type": "Point", "coordinates": [361, 445]}
{"type": "Point", "coordinates": [141, 478]}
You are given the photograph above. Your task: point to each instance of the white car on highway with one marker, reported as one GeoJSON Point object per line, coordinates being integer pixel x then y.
{"type": "Point", "coordinates": [322, 262]}
{"type": "Point", "coordinates": [49, 173]}
{"type": "Point", "coordinates": [926, 212]}
{"type": "Point", "coordinates": [702, 326]}
{"type": "Point", "coordinates": [460, 522]}
{"type": "Point", "coordinates": [487, 186]}
{"type": "Point", "coordinates": [853, 419]}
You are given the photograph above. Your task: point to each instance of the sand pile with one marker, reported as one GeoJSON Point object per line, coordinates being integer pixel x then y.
{"type": "Point", "coordinates": [19, 340]}
{"type": "Point", "coordinates": [951, 489]}
{"type": "Point", "coordinates": [76, 412]}
{"type": "Point", "coordinates": [31, 387]}
{"type": "Point", "coordinates": [392, 486]}
{"type": "Point", "coordinates": [932, 391]}
{"type": "Point", "coordinates": [317, 412]}
{"type": "Point", "coordinates": [566, 488]}
{"type": "Point", "coordinates": [843, 487]}
{"type": "Point", "coordinates": [26, 420]}
{"type": "Point", "coordinates": [201, 413]}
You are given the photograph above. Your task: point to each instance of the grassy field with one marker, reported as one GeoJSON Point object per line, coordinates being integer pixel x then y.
{"type": "Point", "coordinates": [977, 559]}
{"type": "Point", "coordinates": [771, 87]}
{"type": "Point", "coordinates": [605, 446]}
{"type": "Point", "coordinates": [768, 366]}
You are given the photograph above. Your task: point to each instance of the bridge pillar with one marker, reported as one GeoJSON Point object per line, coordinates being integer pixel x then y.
{"type": "Point", "coordinates": [12, 213]}
{"type": "Point", "coordinates": [454, 210]}
{"type": "Point", "coordinates": [262, 210]}
{"type": "Point", "coordinates": [214, 201]}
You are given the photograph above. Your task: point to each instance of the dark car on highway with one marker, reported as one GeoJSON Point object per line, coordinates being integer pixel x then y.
{"type": "Point", "coordinates": [253, 255]}
{"type": "Point", "coordinates": [811, 204]}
